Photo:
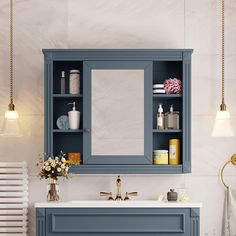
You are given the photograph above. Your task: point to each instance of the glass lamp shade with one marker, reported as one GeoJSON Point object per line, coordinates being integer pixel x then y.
{"type": "Point", "coordinates": [11, 115]}
{"type": "Point", "coordinates": [222, 126]}
{"type": "Point", "coordinates": [11, 126]}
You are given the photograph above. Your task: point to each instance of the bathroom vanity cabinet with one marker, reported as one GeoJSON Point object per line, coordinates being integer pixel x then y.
{"type": "Point", "coordinates": [118, 130]}
{"type": "Point", "coordinates": [135, 218]}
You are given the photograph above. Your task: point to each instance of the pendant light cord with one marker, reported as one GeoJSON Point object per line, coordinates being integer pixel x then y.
{"type": "Point", "coordinates": [11, 105]}
{"type": "Point", "coordinates": [223, 106]}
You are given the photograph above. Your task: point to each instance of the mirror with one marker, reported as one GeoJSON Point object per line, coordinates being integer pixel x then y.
{"type": "Point", "coordinates": [117, 122]}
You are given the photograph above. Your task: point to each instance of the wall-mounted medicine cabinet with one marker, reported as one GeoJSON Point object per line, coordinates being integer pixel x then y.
{"type": "Point", "coordinates": [118, 130]}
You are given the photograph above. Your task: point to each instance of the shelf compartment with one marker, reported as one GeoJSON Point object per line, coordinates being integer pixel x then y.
{"type": "Point", "coordinates": [66, 66]}
{"type": "Point", "coordinates": [60, 108]}
{"type": "Point", "coordinates": [166, 107]}
{"type": "Point", "coordinates": [67, 131]}
{"type": "Point", "coordinates": [67, 142]}
{"type": "Point", "coordinates": [161, 141]}
{"type": "Point", "coordinates": [167, 131]}
{"type": "Point", "coordinates": [163, 70]}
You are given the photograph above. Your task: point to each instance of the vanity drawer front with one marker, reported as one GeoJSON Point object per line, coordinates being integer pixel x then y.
{"type": "Point", "coordinates": [117, 221]}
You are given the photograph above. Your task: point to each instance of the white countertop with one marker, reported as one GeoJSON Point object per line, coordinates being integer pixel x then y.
{"type": "Point", "coordinates": [121, 204]}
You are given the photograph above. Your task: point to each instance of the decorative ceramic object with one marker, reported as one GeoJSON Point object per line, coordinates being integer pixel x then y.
{"type": "Point", "coordinates": [173, 86]}
{"type": "Point", "coordinates": [74, 81]}
{"type": "Point", "coordinates": [172, 196]}
{"type": "Point", "coordinates": [63, 122]}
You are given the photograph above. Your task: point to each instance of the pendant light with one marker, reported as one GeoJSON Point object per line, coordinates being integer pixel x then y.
{"type": "Point", "coordinates": [11, 125]}
{"type": "Point", "coordinates": [222, 126]}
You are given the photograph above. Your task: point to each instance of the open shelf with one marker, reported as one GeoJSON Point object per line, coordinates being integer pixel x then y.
{"type": "Point", "coordinates": [67, 131]}
{"type": "Point", "coordinates": [62, 96]}
{"type": "Point", "coordinates": [166, 96]}
{"type": "Point", "coordinates": [61, 108]}
{"type": "Point", "coordinates": [163, 70]}
{"type": "Point", "coordinates": [67, 142]}
{"type": "Point", "coordinates": [58, 67]}
{"type": "Point", "coordinates": [167, 131]}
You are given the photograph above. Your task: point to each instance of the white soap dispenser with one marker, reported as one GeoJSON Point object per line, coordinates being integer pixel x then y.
{"type": "Point", "coordinates": [74, 117]}
{"type": "Point", "coordinates": [160, 118]}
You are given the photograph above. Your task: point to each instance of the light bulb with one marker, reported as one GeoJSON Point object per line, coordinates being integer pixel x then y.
{"type": "Point", "coordinates": [11, 126]}
{"type": "Point", "coordinates": [222, 126]}
{"type": "Point", "coordinates": [11, 115]}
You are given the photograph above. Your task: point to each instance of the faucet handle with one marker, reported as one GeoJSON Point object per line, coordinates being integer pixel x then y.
{"type": "Point", "coordinates": [109, 194]}
{"type": "Point", "coordinates": [130, 194]}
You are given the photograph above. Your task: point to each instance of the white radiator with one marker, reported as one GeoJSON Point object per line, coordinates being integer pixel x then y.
{"type": "Point", "coordinates": [13, 198]}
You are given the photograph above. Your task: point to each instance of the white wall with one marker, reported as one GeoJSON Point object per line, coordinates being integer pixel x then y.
{"type": "Point", "coordinates": [124, 24]}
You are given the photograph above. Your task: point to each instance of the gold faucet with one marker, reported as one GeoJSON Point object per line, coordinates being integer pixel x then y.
{"type": "Point", "coordinates": [118, 189]}
{"type": "Point", "coordinates": [118, 196]}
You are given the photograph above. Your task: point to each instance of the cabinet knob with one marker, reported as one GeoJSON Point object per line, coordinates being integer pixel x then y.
{"type": "Point", "coordinates": [87, 130]}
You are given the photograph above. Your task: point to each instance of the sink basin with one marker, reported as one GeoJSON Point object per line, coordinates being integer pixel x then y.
{"type": "Point", "coordinates": [121, 204]}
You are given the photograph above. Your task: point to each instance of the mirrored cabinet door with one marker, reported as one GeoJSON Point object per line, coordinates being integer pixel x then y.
{"type": "Point", "coordinates": [117, 112]}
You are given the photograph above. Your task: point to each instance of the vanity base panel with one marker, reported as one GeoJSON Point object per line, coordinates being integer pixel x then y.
{"type": "Point", "coordinates": [118, 221]}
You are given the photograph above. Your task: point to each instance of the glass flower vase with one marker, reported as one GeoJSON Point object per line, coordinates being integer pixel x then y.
{"type": "Point", "coordinates": [53, 190]}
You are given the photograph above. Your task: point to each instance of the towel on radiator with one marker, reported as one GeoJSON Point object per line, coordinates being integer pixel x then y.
{"type": "Point", "coordinates": [229, 217]}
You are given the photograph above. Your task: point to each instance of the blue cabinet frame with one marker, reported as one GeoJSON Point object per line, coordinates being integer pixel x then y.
{"type": "Point", "coordinates": [159, 64]}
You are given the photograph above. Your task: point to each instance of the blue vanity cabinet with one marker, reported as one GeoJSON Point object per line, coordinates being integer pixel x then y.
{"type": "Point", "coordinates": [117, 221]}
{"type": "Point", "coordinates": [158, 65]}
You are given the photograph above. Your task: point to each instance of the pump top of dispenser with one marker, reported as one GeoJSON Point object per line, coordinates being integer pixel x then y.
{"type": "Point", "coordinates": [172, 110]}
{"type": "Point", "coordinates": [72, 103]}
{"type": "Point", "coordinates": [63, 74]}
{"type": "Point", "coordinates": [160, 109]}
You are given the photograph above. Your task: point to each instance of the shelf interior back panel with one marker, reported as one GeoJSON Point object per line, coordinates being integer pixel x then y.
{"type": "Point", "coordinates": [67, 142]}
{"type": "Point", "coordinates": [163, 70]}
{"type": "Point", "coordinates": [61, 107]}
{"type": "Point", "coordinates": [177, 104]}
{"type": "Point", "coordinates": [66, 66]}
{"type": "Point", "coordinates": [161, 141]}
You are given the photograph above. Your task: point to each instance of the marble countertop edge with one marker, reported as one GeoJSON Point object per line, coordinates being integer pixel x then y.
{"type": "Point", "coordinates": [117, 204]}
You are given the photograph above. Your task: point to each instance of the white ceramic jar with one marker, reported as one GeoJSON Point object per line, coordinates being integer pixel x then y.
{"type": "Point", "coordinates": [74, 87]}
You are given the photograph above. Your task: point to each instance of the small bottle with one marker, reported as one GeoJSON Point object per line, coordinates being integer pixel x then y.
{"type": "Point", "coordinates": [63, 83]}
{"type": "Point", "coordinates": [172, 119]}
{"type": "Point", "coordinates": [74, 117]}
{"type": "Point", "coordinates": [74, 87]}
{"type": "Point", "coordinates": [174, 152]}
{"type": "Point", "coordinates": [160, 118]}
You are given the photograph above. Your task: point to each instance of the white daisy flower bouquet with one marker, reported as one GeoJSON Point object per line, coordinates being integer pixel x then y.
{"type": "Point", "coordinates": [53, 168]}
